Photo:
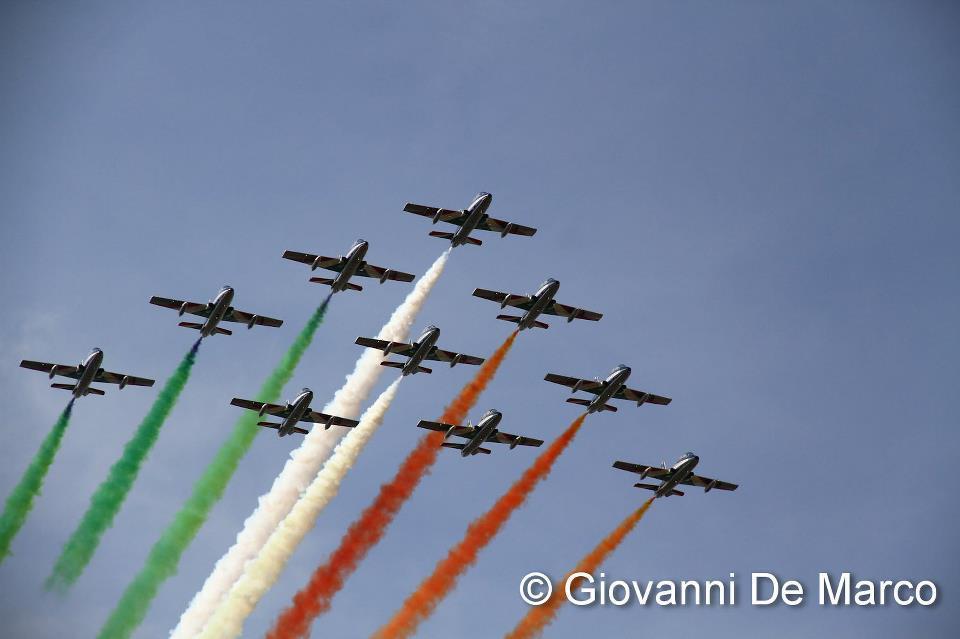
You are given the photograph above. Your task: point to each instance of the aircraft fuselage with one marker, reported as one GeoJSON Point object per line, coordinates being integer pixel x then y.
{"type": "Point", "coordinates": [298, 408]}
{"type": "Point", "coordinates": [682, 469]}
{"type": "Point", "coordinates": [485, 427]}
{"type": "Point", "coordinates": [425, 343]}
{"type": "Point", "coordinates": [354, 258]}
{"type": "Point", "coordinates": [475, 214]}
{"type": "Point", "coordinates": [611, 385]}
{"type": "Point", "coordinates": [218, 308]}
{"type": "Point", "coordinates": [541, 301]}
{"type": "Point", "coordinates": [89, 368]}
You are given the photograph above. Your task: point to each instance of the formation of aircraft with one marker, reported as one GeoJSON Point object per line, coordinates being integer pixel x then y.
{"type": "Point", "coordinates": [293, 412]}
{"type": "Point", "coordinates": [86, 373]}
{"type": "Point", "coordinates": [472, 218]}
{"type": "Point", "coordinates": [680, 473]}
{"type": "Point", "coordinates": [423, 348]}
{"type": "Point", "coordinates": [346, 266]}
{"type": "Point", "coordinates": [613, 387]}
{"type": "Point", "coordinates": [542, 302]}
{"type": "Point", "coordinates": [215, 311]}
{"type": "Point", "coordinates": [485, 431]}
{"type": "Point", "coordinates": [536, 304]}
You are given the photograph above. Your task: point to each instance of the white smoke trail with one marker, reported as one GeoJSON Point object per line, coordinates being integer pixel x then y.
{"type": "Point", "coordinates": [261, 573]}
{"type": "Point", "coordinates": [304, 462]}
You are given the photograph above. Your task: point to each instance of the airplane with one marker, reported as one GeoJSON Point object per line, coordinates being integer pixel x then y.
{"type": "Point", "coordinates": [217, 310]}
{"type": "Point", "coordinates": [484, 431]}
{"type": "Point", "coordinates": [86, 372]}
{"type": "Point", "coordinates": [474, 217]}
{"type": "Point", "coordinates": [423, 348]}
{"type": "Point", "coordinates": [680, 473]}
{"type": "Point", "coordinates": [296, 411]}
{"type": "Point", "coordinates": [346, 267]}
{"type": "Point", "coordinates": [614, 386]}
{"type": "Point", "coordinates": [536, 303]}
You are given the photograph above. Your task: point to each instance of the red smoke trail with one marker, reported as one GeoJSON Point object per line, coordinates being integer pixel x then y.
{"type": "Point", "coordinates": [481, 532]}
{"type": "Point", "coordinates": [538, 617]}
{"type": "Point", "coordinates": [315, 598]}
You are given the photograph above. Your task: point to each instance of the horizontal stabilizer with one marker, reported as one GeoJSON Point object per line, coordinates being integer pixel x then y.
{"type": "Point", "coordinates": [392, 364]}
{"type": "Point", "coordinates": [222, 331]}
{"type": "Point", "coordinates": [509, 318]}
{"type": "Point", "coordinates": [321, 280]}
{"type": "Point", "coordinates": [68, 387]}
{"type": "Point", "coordinates": [441, 235]}
{"type": "Point", "coordinates": [193, 325]}
{"type": "Point", "coordinates": [485, 451]}
{"type": "Point", "coordinates": [269, 425]}
{"type": "Point", "coordinates": [94, 391]}
{"type": "Point", "coordinates": [646, 486]}
{"type": "Point", "coordinates": [453, 445]}
{"type": "Point", "coordinates": [578, 401]}
{"type": "Point", "coordinates": [424, 369]}
{"type": "Point", "coordinates": [608, 407]}
{"type": "Point", "coordinates": [675, 492]}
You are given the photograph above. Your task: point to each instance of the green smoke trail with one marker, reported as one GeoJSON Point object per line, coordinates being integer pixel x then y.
{"type": "Point", "coordinates": [110, 495]}
{"type": "Point", "coordinates": [21, 499]}
{"type": "Point", "coordinates": [164, 557]}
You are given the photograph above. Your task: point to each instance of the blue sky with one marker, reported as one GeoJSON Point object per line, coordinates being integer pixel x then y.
{"type": "Point", "coordinates": [761, 198]}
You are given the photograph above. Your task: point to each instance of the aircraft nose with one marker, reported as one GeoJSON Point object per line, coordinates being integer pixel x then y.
{"type": "Point", "coordinates": [360, 240]}
{"type": "Point", "coordinates": [97, 350]}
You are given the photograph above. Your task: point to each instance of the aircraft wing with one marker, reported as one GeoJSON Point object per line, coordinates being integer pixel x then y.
{"type": "Point", "coordinates": [589, 385]}
{"type": "Point", "coordinates": [329, 263]}
{"type": "Point", "coordinates": [651, 471]}
{"type": "Point", "coordinates": [233, 315]}
{"type": "Point", "coordinates": [703, 482]}
{"type": "Point", "coordinates": [400, 348]}
{"type": "Point", "coordinates": [380, 273]}
{"type": "Point", "coordinates": [440, 355]}
{"type": "Point", "coordinates": [61, 369]}
{"type": "Point", "coordinates": [459, 431]}
{"type": "Point", "coordinates": [443, 215]}
{"type": "Point", "coordinates": [571, 312]}
{"type": "Point", "coordinates": [504, 299]}
{"type": "Point", "coordinates": [637, 395]}
{"type": "Point", "coordinates": [500, 226]}
{"type": "Point", "coordinates": [194, 308]}
{"type": "Point", "coordinates": [514, 440]}
{"type": "Point", "coordinates": [106, 377]}
{"type": "Point", "coordinates": [279, 410]}
{"type": "Point", "coordinates": [322, 418]}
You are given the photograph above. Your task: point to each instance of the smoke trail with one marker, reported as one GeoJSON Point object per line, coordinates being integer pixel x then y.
{"type": "Point", "coordinates": [165, 555]}
{"type": "Point", "coordinates": [110, 495]}
{"type": "Point", "coordinates": [20, 501]}
{"type": "Point", "coordinates": [315, 598]}
{"type": "Point", "coordinates": [538, 617]}
{"type": "Point", "coordinates": [262, 572]}
{"type": "Point", "coordinates": [421, 603]}
{"type": "Point", "coordinates": [304, 462]}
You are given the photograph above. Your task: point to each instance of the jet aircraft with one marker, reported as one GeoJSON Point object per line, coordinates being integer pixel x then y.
{"type": "Point", "coordinates": [485, 431]}
{"type": "Point", "coordinates": [680, 473]}
{"type": "Point", "coordinates": [346, 267]}
{"type": "Point", "coordinates": [295, 411]}
{"type": "Point", "coordinates": [614, 386]}
{"type": "Point", "coordinates": [536, 303]}
{"type": "Point", "coordinates": [474, 217]}
{"type": "Point", "coordinates": [86, 372]}
{"type": "Point", "coordinates": [215, 311]}
{"type": "Point", "coordinates": [423, 348]}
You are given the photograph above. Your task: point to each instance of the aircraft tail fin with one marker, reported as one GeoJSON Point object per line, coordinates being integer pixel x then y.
{"type": "Point", "coordinates": [516, 320]}
{"type": "Point", "coordinates": [329, 282]}
{"type": "Point", "coordinates": [68, 387]}
{"type": "Point", "coordinates": [193, 325]}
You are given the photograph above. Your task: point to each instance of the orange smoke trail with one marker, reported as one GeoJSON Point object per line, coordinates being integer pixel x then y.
{"type": "Point", "coordinates": [538, 617]}
{"type": "Point", "coordinates": [480, 532]}
{"type": "Point", "coordinates": [315, 598]}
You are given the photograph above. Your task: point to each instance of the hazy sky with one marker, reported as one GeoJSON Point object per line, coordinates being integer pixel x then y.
{"type": "Point", "coordinates": [761, 198]}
